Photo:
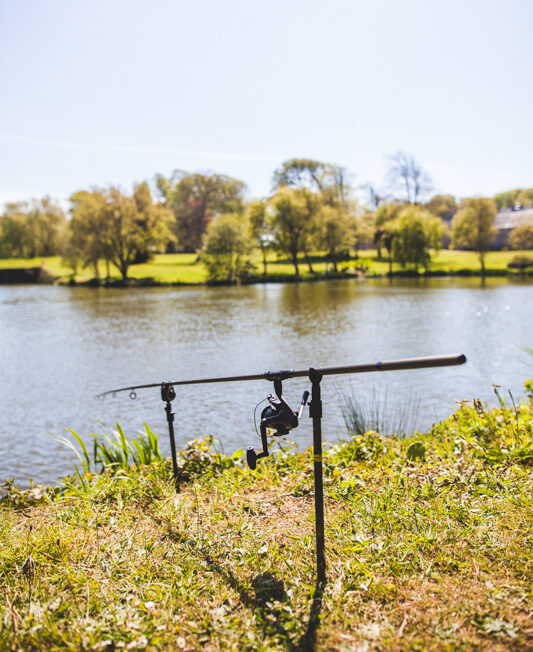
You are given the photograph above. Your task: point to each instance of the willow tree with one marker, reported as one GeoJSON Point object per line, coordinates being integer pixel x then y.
{"type": "Point", "coordinates": [227, 248]}
{"type": "Point", "coordinates": [473, 227]}
{"type": "Point", "coordinates": [261, 228]}
{"type": "Point", "coordinates": [415, 232]}
{"type": "Point", "coordinates": [107, 224]}
{"type": "Point", "coordinates": [290, 223]}
{"type": "Point", "coordinates": [337, 229]}
{"type": "Point", "coordinates": [30, 229]}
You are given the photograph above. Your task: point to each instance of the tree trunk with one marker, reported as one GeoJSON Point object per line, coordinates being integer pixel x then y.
{"type": "Point", "coordinates": [264, 263]}
{"type": "Point", "coordinates": [308, 261]}
{"type": "Point", "coordinates": [294, 257]}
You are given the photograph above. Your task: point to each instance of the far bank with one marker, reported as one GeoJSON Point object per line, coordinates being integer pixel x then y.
{"type": "Point", "coordinates": [188, 269]}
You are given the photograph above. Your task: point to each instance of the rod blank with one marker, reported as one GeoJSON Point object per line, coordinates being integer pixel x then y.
{"type": "Point", "coordinates": [388, 365]}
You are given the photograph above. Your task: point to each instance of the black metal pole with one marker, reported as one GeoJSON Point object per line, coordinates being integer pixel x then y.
{"type": "Point", "coordinates": [168, 394]}
{"type": "Point", "coordinates": [315, 412]}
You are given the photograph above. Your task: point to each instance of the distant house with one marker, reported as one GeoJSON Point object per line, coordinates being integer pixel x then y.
{"type": "Point", "coordinates": [507, 220]}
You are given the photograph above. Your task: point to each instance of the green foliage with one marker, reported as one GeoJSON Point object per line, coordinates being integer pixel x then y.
{"type": "Point", "coordinates": [197, 199]}
{"type": "Point", "coordinates": [416, 451]}
{"type": "Point", "coordinates": [416, 232]}
{"type": "Point", "coordinates": [473, 226]}
{"type": "Point", "coordinates": [29, 229]}
{"type": "Point", "coordinates": [443, 206]}
{"type": "Point", "coordinates": [509, 198]}
{"type": "Point", "coordinates": [120, 229]}
{"type": "Point", "coordinates": [336, 234]}
{"type": "Point", "coordinates": [227, 248]}
{"type": "Point", "coordinates": [261, 228]}
{"type": "Point", "coordinates": [290, 222]}
{"type": "Point", "coordinates": [377, 415]}
{"type": "Point", "coordinates": [387, 212]}
{"type": "Point", "coordinates": [313, 175]}
{"type": "Point", "coordinates": [521, 238]}
{"type": "Point", "coordinates": [115, 452]}
{"type": "Point", "coordinates": [520, 262]}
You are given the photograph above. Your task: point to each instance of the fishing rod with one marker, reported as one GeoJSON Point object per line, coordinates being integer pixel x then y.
{"type": "Point", "coordinates": [391, 365]}
{"type": "Point", "coordinates": [281, 418]}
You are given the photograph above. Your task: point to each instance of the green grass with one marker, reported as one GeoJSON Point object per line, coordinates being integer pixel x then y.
{"type": "Point", "coordinates": [429, 545]}
{"type": "Point", "coordinates": [186, 269]}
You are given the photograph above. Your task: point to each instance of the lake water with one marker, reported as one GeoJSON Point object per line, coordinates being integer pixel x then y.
{"type": "Point", "coordinates": [60, 346]}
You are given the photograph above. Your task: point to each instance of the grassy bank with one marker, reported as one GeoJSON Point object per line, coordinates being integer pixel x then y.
{"type": "Point", "coordinates": [187, 269]}
{"type": "Point", "coordinates": [428, 547]}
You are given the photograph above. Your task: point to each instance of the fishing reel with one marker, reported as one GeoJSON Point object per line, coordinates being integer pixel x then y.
{"type": "Point", "coordinates": [278, 416]}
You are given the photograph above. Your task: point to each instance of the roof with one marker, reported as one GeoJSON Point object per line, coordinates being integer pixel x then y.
{"type": "Point", "coordinates": [510, 219]}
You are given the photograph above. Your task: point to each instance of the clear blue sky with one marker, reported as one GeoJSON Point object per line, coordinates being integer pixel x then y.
{"type": "Point", "coordinates": [113, 91]}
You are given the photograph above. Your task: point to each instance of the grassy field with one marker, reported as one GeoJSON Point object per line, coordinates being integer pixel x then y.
{"type": "Point", "coordinates": [429, 547]}
{"type": "Point", "coordinates": [186, 268]}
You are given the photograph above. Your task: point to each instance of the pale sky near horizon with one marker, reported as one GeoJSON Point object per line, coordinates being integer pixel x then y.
{"type": "Point", "coordinates": [115, 91]}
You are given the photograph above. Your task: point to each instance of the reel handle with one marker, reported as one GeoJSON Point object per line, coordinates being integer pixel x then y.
{"type": "Point", "coordinates": [303, 404]}
{"type": "Point", "coordinates": [251, 455]}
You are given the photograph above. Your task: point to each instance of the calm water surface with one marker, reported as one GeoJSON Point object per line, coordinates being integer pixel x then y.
{"type": "Point", "coordinates": [60, 346]}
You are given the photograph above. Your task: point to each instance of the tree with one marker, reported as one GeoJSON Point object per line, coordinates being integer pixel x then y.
{"type": "Point", "coordinates": [88, 230]}
{"type": "Point", "coordinates": [116, 227]}
{"type": "Point", "coordinates": [30, 229]}
{"type": "Point", "coordinates": [336, 231]}
{"type": "Point", "coordinates": [47, 226]}
{"type": "Point", "coordinates": [14, 235]}
{"type": "Point", "coordinates": [290, 223]}
{"type": "Point", "coordinates": [385, 214]}
{"type": "Point", "coordinates": [363, 230]}
{"type": "Point", "coordinates": [407, 178]}
{"type": "Point", "coordinates": [313, 203]}
{"type": "Point", "coordinates": [315, 175]}
{"type": "Point", "coordinates": [385, 237]}
{"type": "Point", "coordinates": [260, 228]}
{"type": "Point", "coordinates": [196, 199]}
{"type": "Point", "coordinates": [375, 197]}
{"type": "Point", "coordinates": [521, 238]}
{"type": "Point", "coordinates": [319, 184]}
{"type": "Point", "coordinates": [509, 198]}
{"type": "Point", "coordinates": [414, 233]}
{"type": "Point", "coordinates": [443, 206]}
{"type": "Point", "coordinates": [227, 248]}
{"type": "Point", "coordinates": [473, 226]}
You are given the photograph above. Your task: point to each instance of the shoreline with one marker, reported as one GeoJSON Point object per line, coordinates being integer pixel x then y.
{"type": "Point", "coordinates": [41, 276]}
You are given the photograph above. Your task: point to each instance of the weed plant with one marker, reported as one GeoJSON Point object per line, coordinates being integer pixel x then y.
{"type": "Point", "coordinates": [429, 545]}
{"type": "Point", "coordinates": [361, 416]}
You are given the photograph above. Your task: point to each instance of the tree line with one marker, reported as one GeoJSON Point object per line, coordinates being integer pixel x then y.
{"type": "Point", "coordinates": [312, 206]}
